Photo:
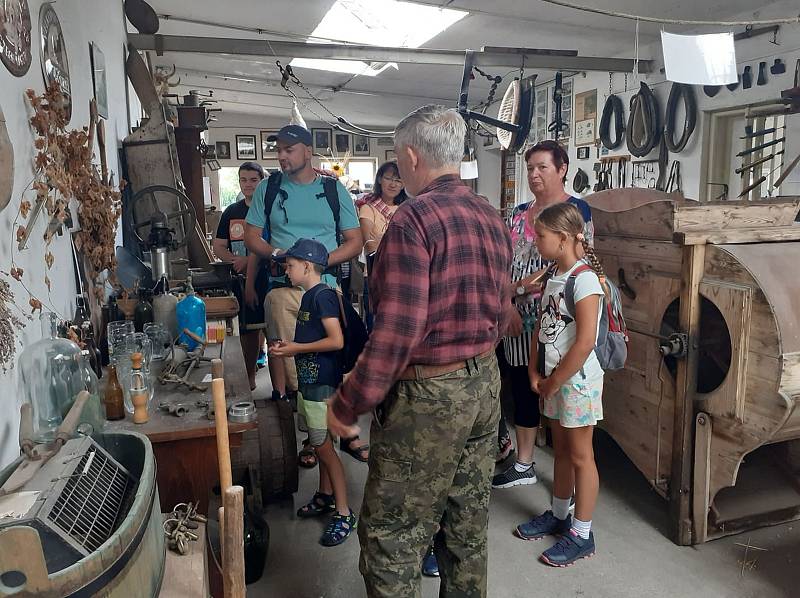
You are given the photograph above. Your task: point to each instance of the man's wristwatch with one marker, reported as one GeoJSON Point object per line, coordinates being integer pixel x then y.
{"type": "Point", "coordinates": [520, 290]}
{"type": "Point", "coordinates": [276, 252]}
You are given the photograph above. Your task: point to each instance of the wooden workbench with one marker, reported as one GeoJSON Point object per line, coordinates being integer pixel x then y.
{"type": "Point", "coordinates": [185, 447]}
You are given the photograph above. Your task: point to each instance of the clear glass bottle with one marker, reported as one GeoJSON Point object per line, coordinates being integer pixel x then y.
{"type": "Point", "coordinates": [52, 371]}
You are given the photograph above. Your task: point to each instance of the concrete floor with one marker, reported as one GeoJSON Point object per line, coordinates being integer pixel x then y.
{"type": "Point", "coordinates": [635, 557]}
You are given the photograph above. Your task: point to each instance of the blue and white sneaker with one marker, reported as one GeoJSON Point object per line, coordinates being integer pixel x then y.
{"type": "Point", "coordinates": [511, 477]}
{"type": "Point", "coordinates": [570, 548]}
{"type": "Point", "coordinates": [543, 525]}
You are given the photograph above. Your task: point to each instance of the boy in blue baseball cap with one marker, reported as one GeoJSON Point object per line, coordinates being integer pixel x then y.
{"type": "Point", "coordinates": [317, 340]}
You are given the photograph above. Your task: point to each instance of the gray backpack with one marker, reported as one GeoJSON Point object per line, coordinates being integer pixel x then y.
{"type": "Point", "coordinates": [612, 338]}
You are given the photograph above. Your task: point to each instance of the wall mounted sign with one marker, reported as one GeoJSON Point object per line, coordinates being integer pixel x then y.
{"type": "Point", "coordinates": [15, 36]}
{"type": "Point", "coordinates": [55, 67]}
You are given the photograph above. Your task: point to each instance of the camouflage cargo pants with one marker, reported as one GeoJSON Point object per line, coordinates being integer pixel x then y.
{"type": "Point", "coordinates": [431, 460]}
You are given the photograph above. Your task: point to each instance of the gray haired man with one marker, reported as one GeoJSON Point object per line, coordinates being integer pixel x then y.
{"type": "Point", "coordinates": [429, 370]}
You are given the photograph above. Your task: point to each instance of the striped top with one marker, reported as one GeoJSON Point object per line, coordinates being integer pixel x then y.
{"type": "Point", "coordinates": [526, 261]}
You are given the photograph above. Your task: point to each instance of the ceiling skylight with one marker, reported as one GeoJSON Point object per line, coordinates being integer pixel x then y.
{"type": "Point", "coordinates": [390, 23]}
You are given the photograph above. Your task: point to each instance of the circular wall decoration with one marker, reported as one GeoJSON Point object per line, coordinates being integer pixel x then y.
{"type": "Point", "coordinates": [15, 36]}
{"type": "Point", "coordinates": [6, 164]}
{"type": "Point", "coordinates": [54, 54]}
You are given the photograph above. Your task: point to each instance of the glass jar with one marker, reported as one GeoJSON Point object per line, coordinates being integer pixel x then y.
{"type": "Point", "coordinates": [159, 338]}
{"type": "Point", "coordinates": [52, 371]}
{"type": "Point", "coordinates": [116, 333]}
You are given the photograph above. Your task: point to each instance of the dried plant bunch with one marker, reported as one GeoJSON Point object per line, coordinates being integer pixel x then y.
{"type": "Point", "coordinates": [10, 324]}
{"type": "Point", "coordinates": [64, 171]}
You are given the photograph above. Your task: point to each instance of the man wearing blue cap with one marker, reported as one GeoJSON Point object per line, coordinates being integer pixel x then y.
{"type": "Point", "coordinates": [297, 203]}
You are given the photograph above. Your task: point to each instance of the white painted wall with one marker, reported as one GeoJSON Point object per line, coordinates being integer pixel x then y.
{"type": "Point", "coordinates": [748, 52]}
{"type": "Point", "coordinates": [83, 21]}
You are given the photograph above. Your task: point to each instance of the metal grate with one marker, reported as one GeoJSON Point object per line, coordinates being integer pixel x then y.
{"type": "Point", "coordinates": [90, 503]}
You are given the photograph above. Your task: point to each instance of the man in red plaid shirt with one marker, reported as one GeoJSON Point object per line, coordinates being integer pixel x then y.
{"type": "Point", "coordinates": [429, 370]}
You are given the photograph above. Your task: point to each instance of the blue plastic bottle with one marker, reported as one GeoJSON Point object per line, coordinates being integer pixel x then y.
{"type": "Point", "coordinates": [191, 314]}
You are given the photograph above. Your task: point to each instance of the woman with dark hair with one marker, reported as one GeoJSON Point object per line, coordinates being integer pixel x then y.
{"type": "Point", "coordinates": [375, 212]}
{"type": "Point", "coordinates": [547, 165]}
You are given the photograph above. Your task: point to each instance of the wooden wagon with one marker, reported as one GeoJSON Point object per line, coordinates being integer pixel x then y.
{"type": "Point", "coordinates": [707, 406]}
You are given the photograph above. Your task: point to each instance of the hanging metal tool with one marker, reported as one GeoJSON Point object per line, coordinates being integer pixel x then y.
{"type": "Point", "coordinates": [557, 127]}
{"type": "Point", "coordinates": [744, 168]}
{"type": "Point", "coordinates": [792, 165]}
{"type": "Point", "coordinates": [752, 150]}
{"type": "Point", "coordinates": [752, 186]}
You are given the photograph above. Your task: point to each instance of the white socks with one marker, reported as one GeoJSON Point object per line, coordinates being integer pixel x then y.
{"type": "Point", "coordinates": [582, 528]}
{"type": "Point", "coordinates": [561, 507]}
{"type": "Point", "coordinates": [522, 467]}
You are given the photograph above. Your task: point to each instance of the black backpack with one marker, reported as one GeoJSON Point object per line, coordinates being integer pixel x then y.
{"type": "Point", "coordinates": [353, 330]}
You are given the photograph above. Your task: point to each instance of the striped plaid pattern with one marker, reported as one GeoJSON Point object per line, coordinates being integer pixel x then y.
{"type": "Point", "coordinates": [438, 286]}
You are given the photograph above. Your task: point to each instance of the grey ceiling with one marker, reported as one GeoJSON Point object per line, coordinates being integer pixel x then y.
{"type": "Point", "coordinates": [382, 100]}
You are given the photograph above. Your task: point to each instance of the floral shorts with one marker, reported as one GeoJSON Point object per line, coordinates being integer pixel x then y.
{"type": "Point", "coordinates": [576, 404]}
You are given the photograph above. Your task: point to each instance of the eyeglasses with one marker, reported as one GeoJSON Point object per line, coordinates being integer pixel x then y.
{"type": "Point", "coordinates": [389, 179]}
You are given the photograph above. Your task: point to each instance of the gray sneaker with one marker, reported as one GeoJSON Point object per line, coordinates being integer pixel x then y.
{"type": "Point", "coordinates": [511, 477]}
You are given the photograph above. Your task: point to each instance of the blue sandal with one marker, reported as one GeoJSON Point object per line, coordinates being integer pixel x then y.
{"type": "Point", "coordinates": [338, 529]}
{"type": "Point", "coordinates": [320, 504]}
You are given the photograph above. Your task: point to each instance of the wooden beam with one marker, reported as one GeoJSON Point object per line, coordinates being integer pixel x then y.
{"type": "Point", "coordinates": [739, 236]}
{"type": "Point", "coordinates": [702, 477]}
{"type": "Point", "coordinates": [680, 489]}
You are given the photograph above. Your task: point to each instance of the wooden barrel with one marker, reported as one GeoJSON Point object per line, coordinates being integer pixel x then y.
{"type": "Point", "coordinates": [129, 563]}
{"type": "Point", "coordinates": [273, 446]}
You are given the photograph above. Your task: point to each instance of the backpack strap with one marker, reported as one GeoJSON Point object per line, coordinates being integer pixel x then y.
{"type": "Point", "coordinates": [332, 196]}
{"type": "Point", "coordinates": [569, 288]}
{"type": "Point", "coordinates": [273, 188]}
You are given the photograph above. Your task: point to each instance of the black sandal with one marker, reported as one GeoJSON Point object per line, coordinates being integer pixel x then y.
{"type": "Point", "coordinates": [307, 457]}
{"type": "Point", "coordinates": [359, 453]}
{"type": "Point", "coordinates": [320, 504]}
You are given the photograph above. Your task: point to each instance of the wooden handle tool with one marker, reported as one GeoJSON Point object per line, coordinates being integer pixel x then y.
{"type": "Point", "coordinates": [223, 447]}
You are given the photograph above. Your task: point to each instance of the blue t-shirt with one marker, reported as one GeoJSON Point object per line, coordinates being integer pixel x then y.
{"type": "Point", "coordinates": [304, 214]}
{"type": "Point", "coordinates": [317, 368]}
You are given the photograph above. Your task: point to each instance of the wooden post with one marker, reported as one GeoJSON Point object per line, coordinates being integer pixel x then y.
{"type": "Point", "coordinates": [702, 476]}
{"type": "Point", "coordinates": [233, 543]}
{"type": "Point", "coordinates": [680, 487]}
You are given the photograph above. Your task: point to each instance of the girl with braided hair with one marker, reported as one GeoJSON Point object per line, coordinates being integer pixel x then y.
{"type": "Point", "coordinates": [566, 374]}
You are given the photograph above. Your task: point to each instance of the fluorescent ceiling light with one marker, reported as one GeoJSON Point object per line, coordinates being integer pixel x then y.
{"type": "Point", "coordinates": [391, 23]}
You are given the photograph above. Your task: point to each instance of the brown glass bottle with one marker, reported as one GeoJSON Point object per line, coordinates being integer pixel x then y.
{"type": "Point", "coordinates": [115, 405]}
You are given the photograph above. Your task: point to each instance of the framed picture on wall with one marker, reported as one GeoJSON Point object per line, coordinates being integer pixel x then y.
{"type": "Point", "coordinates": [342, 142]}
{"type": "Point", "coordinates": [246, 147]}
{"type": "Point", "coordinates": [360, 145]}
{"type": "Point", "coordinates": [223, 150]}
{"type": "Point", "coordinates": [390, 155]}
{"type": "Point", "coordinates": [385, 141]}
{"type": "Point", "coordinates": [269, 149]}
{"type": "Point", "coordinates": [322, 141]}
